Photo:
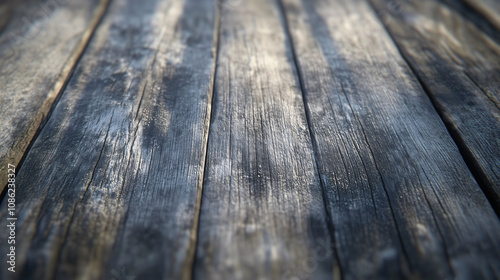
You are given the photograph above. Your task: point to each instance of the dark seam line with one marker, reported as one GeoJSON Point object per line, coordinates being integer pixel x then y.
{"type": "Point", "coordinates": [467, 156]}
{"type": "Point", "coordinates": [218, 7]}
{"type": "Point", "coordinates": [42, 125]}
{"type": "Point", "coordinates": [46, 118]}
{"type": "Point", "coordinates": [485, 92]}
{"type": "Point", "coordinates": [329, 221]}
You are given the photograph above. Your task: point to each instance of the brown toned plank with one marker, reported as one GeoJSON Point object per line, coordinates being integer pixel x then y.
{"type": "Point", "coordinates": [459, 67]}
{"type": "Point", "coordinates": [489, 8]}
{"type": "Point", "coordinates": [111, 187]}
{"type": "Point", "coordinates": [402, 202]}
{"type": "Point", "coordinates": [38, 50]}
{"type": "Point", "coordinates": [262, 213]}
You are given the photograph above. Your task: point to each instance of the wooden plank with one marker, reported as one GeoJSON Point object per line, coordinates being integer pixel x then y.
{"type": "Point", "coordinates": [20, 16]}
{"type": "Point", "coordinates": [262, 213]}
{"type": "Point", "coordinates": [37, 54]}
{"type": "Point", "coordinates": [473, 16]}
{"type": "Point", "coordinates": [489, 8]}
{"type": "Point", "coordinates": [459, 67]}
{"type": "Point", "coordinates": [402, 203]}
{"type": "Point", "coordinates": [112, 185]}
{"type": "Point", "coordinates": [6, 11]}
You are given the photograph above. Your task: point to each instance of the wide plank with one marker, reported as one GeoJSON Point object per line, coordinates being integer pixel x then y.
{"type": "Point", "coordinates": [37, 54]}
{"type": "Point", "coordinates": [262, 213]}
{"type": "Point", "coordinates": [459, 67]}
{"type": "Point", "coordinates": [401, 200]}
{"type": "Point", "coordinates": [111, 187]}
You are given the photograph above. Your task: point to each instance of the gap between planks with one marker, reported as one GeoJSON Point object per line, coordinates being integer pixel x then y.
{"type": "Point", "coordinates": [468, 157]}
{"type": "Point", "coordinates": [337, 273]}
{"type": "Point", "coordinates": [100, 12]}
{"type": "Point", "coordinates": [218, 11]}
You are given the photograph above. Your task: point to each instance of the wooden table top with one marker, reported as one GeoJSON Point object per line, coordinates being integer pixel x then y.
{"type": "Point", "coordinates": [250, 139]}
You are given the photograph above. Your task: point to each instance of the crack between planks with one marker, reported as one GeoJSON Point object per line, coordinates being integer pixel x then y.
{"type": "Point", "coordinates": [337, 269]}
{"type": "Point", "coordinates": [482, 90]}
{"type": "Point", "coordinates": [467, 155]}
{"type": "Point", "coordinates": [100, 14]}
{"type": "Point", "coordinates": [196, 222]}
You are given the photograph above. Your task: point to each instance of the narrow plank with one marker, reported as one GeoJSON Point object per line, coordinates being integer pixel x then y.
{"type": "Point", "coordinates": [402, 203]}
{"type": "Point", "coordinates": [489, 8]}
{"type": "Point", "coordinates": [459, 66]}
{"type": "Point", "coordinates": [37, 54]}
{"type": "Point", "coordinates": [262, 213]}
{"type": "Point", "coordinates": [112, 185]}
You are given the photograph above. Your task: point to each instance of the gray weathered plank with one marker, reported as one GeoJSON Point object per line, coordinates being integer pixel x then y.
{"type": "Point", "coordinates": [489, 8]}
{"type": "Point", "coordinates": [38, 50]}
{"type": "Point", "coordinates": [112, 185]}
{"type": "Point", "coordinates": [460, 68]}
{"type": "Point", "coordinates": [402, 203]}
{"type": "Point", "coordinates": [262, 213]}
{"type": "Point", "coordinates": [20, 16]}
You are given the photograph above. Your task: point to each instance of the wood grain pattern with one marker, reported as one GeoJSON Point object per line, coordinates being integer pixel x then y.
{"type": "Point", "coordinates": [489, 8]}
{"type": "Point", "coordinates": [459, 66]}
{"type": "Point", "coordinates": [37, 54]}
{"type": "Point", "coordinates": [112, 184]}
{"type": "Point", "coordinates": [262, 213]}
{"type": "Point", "coordinates": [323, 156]}
{"type": "Point", "coordinates": [401, 200]}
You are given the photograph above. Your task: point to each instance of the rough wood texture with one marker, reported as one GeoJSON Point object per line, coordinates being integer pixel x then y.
{"type": "Point", "coordinates": [459, 67]}
{"type": "Point", "coordinates": [323, 156]}
{"type": "Point", "coordinates": [38, 50]}
{"type": "Point", "coordinates": [262, 213]}
{"type": "Point", "coordinates": [401, 200]}
{"type": "Point", "coordinates": [112, 185]}
{"type": "Point", "coordinates": [489, 8]}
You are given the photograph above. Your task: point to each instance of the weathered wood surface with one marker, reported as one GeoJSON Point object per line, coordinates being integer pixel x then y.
{"type": "Point", "coordinates": [460, 68]}
{"type": "Point", "coordinates": [401, 200]}
{"type": "Point", "coordinates": [323, 156]}
{"type": "Point", "coordinates": [6, 10]}
{"type": "Point", "coordinates": [112, 185]}
{"type": "Point", "coordinates": [467, 13]}
{"type": "Point", "coordinates": [21, 17]}
{"type": "Point", "coordinates": [38, 49]}
{"type": "Point", "coordinates": [262, 213]}
{"type": "Point", "coordinates": [489, 8]}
